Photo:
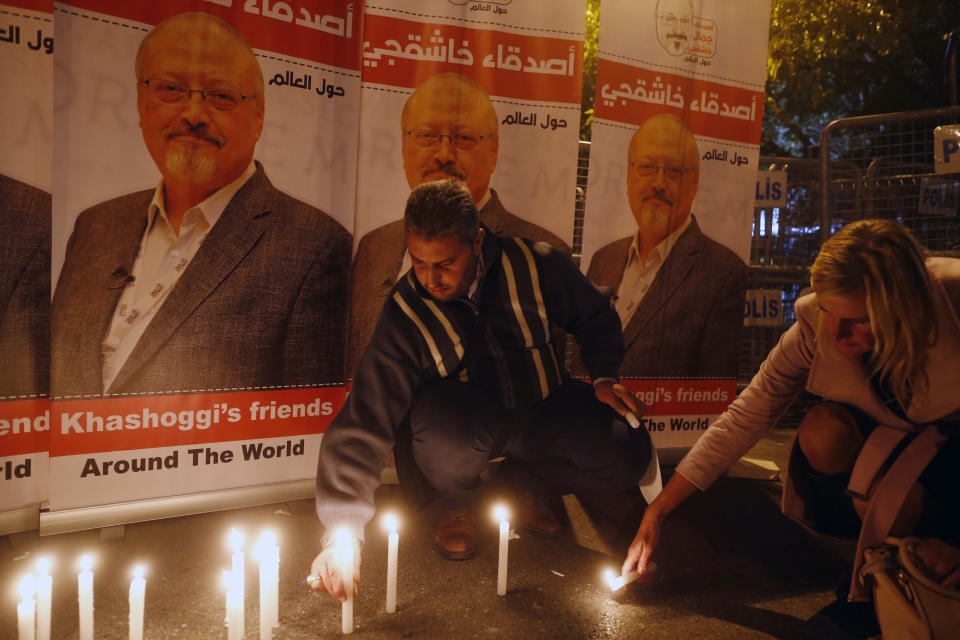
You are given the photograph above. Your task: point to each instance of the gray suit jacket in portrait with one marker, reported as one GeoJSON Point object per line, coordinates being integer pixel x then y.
{"type": "Point", "coordinates": [380, 256]}
{"type": "Point", "coordinates": [24, 290]}
{"type": "Point", "coordinates": [261, 305]}
{"type": "Point", "coordinates": [689, 322]}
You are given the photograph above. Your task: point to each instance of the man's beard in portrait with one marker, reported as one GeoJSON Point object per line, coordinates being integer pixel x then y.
{"type": "Point", "coordinates": [189, 162]}
{"type": "Point", "coordinates": [655, 210]}
{"type": "Point", "coordinates": [188, 159]}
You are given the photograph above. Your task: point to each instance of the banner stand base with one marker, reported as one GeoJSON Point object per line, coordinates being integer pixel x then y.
{"type": "Point", "coordinates": [17, 520]}
{"type": "Point", "coordinates": [67, 520]}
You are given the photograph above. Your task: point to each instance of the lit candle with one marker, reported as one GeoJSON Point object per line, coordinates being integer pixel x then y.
{"type": "Point", "coordinates": [26, 608]}
{"type": "Point", "coordinates": [274, 579]}
{"type": "Point", "coordinates": [393, 539]}
{"type": "Point", "coordinates": [501, 514]}
{"type": "Point", "coordinates": [344, 542]}
{"type": "Point", "coordinates": [234, 607]}
{"type": "Point", "coordinates": [268, 556]}
{"type": "Point", "coordinates": [85, 597]}
{"type": "Point", "coordinates": [237, 569]}
{"type": "Point", "coordinates": [266, 619]}
{"type": "Point", "coordinates": [138, 587]}
{"type": "Point", "coordinates": [617, 582]}
{"type": "Point", "coordinates": [44, 591]}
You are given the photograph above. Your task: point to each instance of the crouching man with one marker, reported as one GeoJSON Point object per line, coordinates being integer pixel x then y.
{"type": "Point", "coordinates": [461, 369]}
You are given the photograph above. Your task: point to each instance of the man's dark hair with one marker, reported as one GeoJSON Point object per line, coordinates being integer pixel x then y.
{"type": "Point", "coordinates": [441, 209]}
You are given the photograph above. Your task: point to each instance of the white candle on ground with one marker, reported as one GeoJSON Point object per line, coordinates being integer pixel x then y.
{"type": "Point", "coordinates": [617, 582]}
{"type": "Point", "coordinates": [501, 514]}
{"type": "Point", "coordinates": [268, 556]}
{"type": "Point", "coordinates": [234, 607]}
{"type": "Point", "coordinates": [138, 588]}
{"type": "Point", "coordinates": [344, 542]}
{"type": "Point", "coordinates": [44, 593]}
{"type": "Point", "coordinates": [237, 569]}
{"type": "Point", "coordinates": [393, 539]}
{"type": "Point", "coordinates": [85, 597]}
{"type": "Point", "coordinates": [274, 580]}
{"type": "Point", "coordinates": [266, 619]}
{"type": "Point", "coordinates": [26, 608]}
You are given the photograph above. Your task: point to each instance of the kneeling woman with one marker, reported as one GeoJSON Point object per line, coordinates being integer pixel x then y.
{"type": "Point", "coordinates": [879, 341]}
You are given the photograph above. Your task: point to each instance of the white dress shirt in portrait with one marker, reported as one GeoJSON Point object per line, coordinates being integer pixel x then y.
{"type": "Point", "coordinates": [638, 275]}
{"type": "Point", "coordinates": [163, 257]}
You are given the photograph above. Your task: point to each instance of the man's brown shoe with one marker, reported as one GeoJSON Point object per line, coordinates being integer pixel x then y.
{"type": "Point", "coordinates": [457, 534]}
{"type": "Point", "coordinates": [537, 516]}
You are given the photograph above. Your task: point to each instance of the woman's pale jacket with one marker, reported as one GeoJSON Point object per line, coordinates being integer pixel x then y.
{"type": "Point", "coordinates": [796, 363]}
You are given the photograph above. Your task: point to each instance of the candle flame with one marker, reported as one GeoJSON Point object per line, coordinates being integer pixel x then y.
{"type": "Point", "coordinates": [236, 539]}
{"type": "Point", "coordinates": [43, 566]}
{"type": "Point", "coordinates": [619, 581]}
{"type": "Point", "coordinates": [86, 563]}
{"type": "Point", "coordinates": [611, 577]}
{"type": "Point", "coordinates": [28, 586]}
{"type": "Point", "coordinates": [390, 522]}
{"type": "Point", "coordinates": [138, 572]}
{"type": "Point", "coordinates": [500, 512]}
{"type": "Point", "coordinates": [266, 547]}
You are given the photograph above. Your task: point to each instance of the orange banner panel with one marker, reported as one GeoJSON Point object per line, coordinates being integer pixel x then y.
{"type": "Point", "coordinates": [144, 422]}
{"type": "Point", "coordinates": [324, 31]}
{"type": "Point", "coordinates": [683, 397]}
{"type": "Point", "coordinates": [404, 53]}
{"type": "Point", "coordinates": [24, 426]}
{"type": "Point", "coordinates": [33, 5]}
{"type": "Point", "coordinates": [631, 94]}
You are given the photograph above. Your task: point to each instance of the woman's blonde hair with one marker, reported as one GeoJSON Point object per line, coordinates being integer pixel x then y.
{"type": "Point", "coordinates": [880, 259]}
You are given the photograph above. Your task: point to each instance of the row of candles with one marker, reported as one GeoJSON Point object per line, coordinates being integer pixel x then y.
{"type": "Point", "coordinates": [33, 611]}
{"type": "Point", "coordinates": [343, 545]}
{"type": "Point", "coordinates": [343, 554]}
{"type": "Point", "coordinates": [267, 554]}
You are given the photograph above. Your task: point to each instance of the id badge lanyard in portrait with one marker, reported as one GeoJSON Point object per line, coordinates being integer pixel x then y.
{"type": "Point", "coordinates": [134, 307]}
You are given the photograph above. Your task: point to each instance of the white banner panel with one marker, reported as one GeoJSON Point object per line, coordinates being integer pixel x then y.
{"type": "Point", "coordinates": [509, 73]}
{"type": "Point", "coordinates": [26, 136]}
{"type": "Point", "coordinates": [671, 188]}
{"type": "Point", "coordinates": [203, 207]}
{"type": "Point", "coordinates": [136, 448]}
{"type": "Point", "coordinates": [140, 474]}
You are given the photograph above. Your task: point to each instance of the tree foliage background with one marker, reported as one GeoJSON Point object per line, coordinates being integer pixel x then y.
{"type": "Point", "coordinates": [589, 68]}
{"type": "Point", "coordinates": [830, 59]}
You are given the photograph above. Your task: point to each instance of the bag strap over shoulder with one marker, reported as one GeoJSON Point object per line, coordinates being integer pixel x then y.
{"type": "Point", "coordinates": [875, 451]}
